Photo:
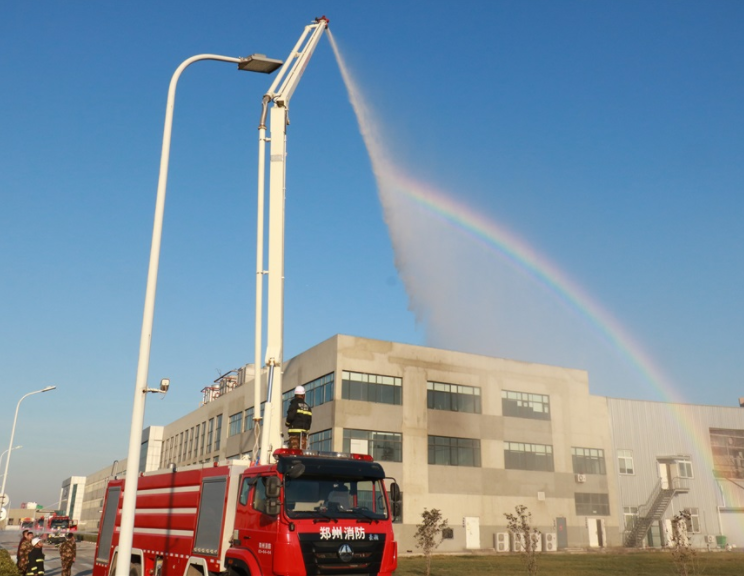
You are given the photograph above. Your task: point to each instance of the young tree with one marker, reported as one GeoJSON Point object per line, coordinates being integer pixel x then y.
{"type": "Point", "coordinates": [429, 534]}
{"type": "Point", "coordinates": [685, 557]}
{"type": "Point", "coordinates": [520, 525]}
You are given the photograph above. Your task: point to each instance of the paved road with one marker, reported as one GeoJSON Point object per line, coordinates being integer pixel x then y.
{"type": "Point", "coordinates": [83, 566]}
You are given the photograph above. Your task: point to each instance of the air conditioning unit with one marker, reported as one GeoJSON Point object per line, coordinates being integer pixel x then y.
{"type": "Point", "coordinates": [538, 540]}
{"type": "Point", "coordinates": [550, 542]}
{"type": "Point", "coordinates": [581, 478]}
{"type": "Point", "coordinates": [519, 546]}
{"type": "Point", "coordinates": [517, 543]}
{"type": "Point", "coordinates": [710, 539]}
{"type": "Point", "coordinates": [501, 541]}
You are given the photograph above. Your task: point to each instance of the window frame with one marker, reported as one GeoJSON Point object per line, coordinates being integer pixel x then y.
{"type": "Point", "coordinates": [453, 448]}
{"type": "Point", "coordinates": [625, 455]}
{"type": "Point", "coordinates": [684, 468]}
{"type": "Point", "coordinates": [693, 524]}
{"type": "Point", "coordinates": [515, 404]}
{"type": "Point", "coordinates": [582, 462]}
{"type": "Point", "coordinates": [456, 395]}
{"type": "Point", "coordinates": [604, 503]}
{"type": "Point", "coordinates": [512, 459]}
{"type": "Point", "coordinates": [376, 446]}
{"type": "Point", "coordinates": [375, 388]}
{"type": "Point", "coordinates": [232, 428]}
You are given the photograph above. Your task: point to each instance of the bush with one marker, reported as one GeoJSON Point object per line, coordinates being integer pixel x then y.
{"type": "Point", "coordinates": [7, 566]}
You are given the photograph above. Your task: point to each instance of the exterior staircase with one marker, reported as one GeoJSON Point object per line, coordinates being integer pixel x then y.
{"type": "Point", "coordinates": [654, 509]}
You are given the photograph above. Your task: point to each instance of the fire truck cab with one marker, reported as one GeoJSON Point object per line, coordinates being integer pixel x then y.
{"type": "Point", "coordinates": [58, 527]}
{"type": "Point", "coordinates": [306, 514]}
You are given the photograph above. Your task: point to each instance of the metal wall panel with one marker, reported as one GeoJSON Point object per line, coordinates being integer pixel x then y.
{"type": "Point", "coordinates": [654, 430]}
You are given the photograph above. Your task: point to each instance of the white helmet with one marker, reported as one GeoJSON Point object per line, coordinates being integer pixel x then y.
{"type": "Point", "coordinates": [300, 391]}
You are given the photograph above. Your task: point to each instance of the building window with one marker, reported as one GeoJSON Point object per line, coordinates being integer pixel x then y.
{"type": "Point", "coordinates": [728, 452]}
{"type": "Point", "coordinates": [371, 388]}
{"type": "Point", "coordinates": [522, 456]}
{"type": "Point", "coordinates": [181, 451]}
{"type": "Point", "coordinates": [383, 446]}
{"type": "Point", "coordinates": [684, 468]}
{"type": "Point", "coordinates": [235, 424]}
{"type": "Point", "coordinates": [693, 521]}
{"type": "Point", "coordinates": [209, 434]}
{"type": "Point", "coordinates": [196, 441]}
{"type": "Point", "coordinates": [625, 461]}
{"type": "Point", "coordinates": [191, 441]}
{"type": "Point", "coordinates": [588, 460]}
{"type": "Point", "coordinates": [592, 504]}
{"type": "Point", "coordinates": [320, 441]}
{"type": "Point", "coordinates": [630, 516]}
{"type": "Point", "coordinates": [248, 420]}
{"type": "Point", "coordinates": [453, 397]}
{"type": "Point", "coordinates": [218, 432]}
{"type": "Point", "coordinates": [446, 451]}
{"type": "Point", "coordinates": [524, 405]}
{"type": "Point", "coordinates": [204, 431]}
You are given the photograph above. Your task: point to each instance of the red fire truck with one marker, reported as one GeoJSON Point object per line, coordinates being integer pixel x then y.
{"type": "Point", "coordinates": [57, 527]}
{"type": "Point", "coordinates": [307, 514]}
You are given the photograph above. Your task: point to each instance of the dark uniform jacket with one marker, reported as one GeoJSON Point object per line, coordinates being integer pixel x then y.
{"type": "Point", "coordinates": [35, 562]}
{"type": "Point", "coordinates": [299, 416]}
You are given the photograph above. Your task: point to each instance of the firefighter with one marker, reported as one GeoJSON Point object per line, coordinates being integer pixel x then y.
{"type": "Point", "coordinates": [35, 565]}
{"type": "Point", "coordinates": [67, 553]}
{"type": "Point", "coordinates": [23, 550]}
{"type": "Point", "coordinates": [299, 419]}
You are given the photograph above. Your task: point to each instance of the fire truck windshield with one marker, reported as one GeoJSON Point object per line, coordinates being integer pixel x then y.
{"type": "Point", "coordinates": [319, 497]}
{"type": "Point", "coordinates": [60, 524]}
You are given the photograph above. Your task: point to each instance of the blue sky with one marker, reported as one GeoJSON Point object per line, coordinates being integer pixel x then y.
{"type": "Point", "coordinates": [605, 135]}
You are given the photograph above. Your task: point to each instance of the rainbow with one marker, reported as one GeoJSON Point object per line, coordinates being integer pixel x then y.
{"type": "Point", "coordinates": [393, 184]}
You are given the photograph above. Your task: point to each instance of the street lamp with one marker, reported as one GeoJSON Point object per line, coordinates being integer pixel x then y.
{"type": "Point", "coordinates": [254, 63]}
{"type": "Point", "coordinates": [12, 435]}
{"type": "Point", "coordinates": [6, 451]}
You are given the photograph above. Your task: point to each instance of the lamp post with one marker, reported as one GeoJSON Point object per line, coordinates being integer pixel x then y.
{"type": "Point", "coordinates": [254, 63]}
{"type": "Point", "coordinates": [12, 435]}
{"type": "Point", "coordinates": [6, 451]}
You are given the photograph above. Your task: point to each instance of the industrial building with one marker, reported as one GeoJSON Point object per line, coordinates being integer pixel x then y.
{"type": "Point", "coordinates": [475, 436]}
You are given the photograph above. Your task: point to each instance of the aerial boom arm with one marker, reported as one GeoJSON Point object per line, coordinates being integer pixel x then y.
{"type": "Point", "coordinates": [289, 76]}
{"type": "Point", "coordinates": [280, 93]}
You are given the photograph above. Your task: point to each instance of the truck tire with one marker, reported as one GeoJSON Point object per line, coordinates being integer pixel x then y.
{"type": "Point", "coordinates": [135, 569]}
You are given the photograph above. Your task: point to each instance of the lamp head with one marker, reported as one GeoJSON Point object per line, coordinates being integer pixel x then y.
{"type": "Point", "coordinates": [48, 388]}
{"type": "Point", "coordinates": [259, 63]}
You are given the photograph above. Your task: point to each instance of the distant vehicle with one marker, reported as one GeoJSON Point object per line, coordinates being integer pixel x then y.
{"type": "Point", "coordinates": [57, 527]}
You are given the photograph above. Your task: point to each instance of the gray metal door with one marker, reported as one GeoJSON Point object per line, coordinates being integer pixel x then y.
{"type": "Point", "coordinates": [560, 528]}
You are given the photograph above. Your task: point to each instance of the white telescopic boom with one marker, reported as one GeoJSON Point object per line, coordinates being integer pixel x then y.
{"type": "Point", "coordinates": [279, 94]}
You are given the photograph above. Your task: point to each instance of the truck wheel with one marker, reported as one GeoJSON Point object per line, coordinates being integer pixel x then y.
{"type": "Point", "coordinates": [135, 570]}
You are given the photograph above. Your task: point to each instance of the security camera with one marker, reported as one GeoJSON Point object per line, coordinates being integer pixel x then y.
{"type": "Point", "coordinates": [164, 385]}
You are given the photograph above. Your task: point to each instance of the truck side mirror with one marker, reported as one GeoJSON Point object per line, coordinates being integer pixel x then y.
{"type": "Point", "coordinates": [272, 506]}
{"type": "Point", "coordinates": [396, 501]}
{"type": "Point", "coordinates": [272, 487]}
{"type": "Point", "coordinates": [296, 470]}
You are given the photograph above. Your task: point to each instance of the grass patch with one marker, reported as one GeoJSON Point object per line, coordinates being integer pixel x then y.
{"type": "Point", "coordinates": [650, 563]}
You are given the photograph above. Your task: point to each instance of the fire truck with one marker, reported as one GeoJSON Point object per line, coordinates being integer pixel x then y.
{"type": "Point", "coordinates": [57, 527]}
{"type": "Point", "coordinates": [308, 513]}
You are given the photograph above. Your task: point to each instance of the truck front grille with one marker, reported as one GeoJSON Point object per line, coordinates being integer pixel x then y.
{"type": "Point", "coordinates": [325, 557]}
